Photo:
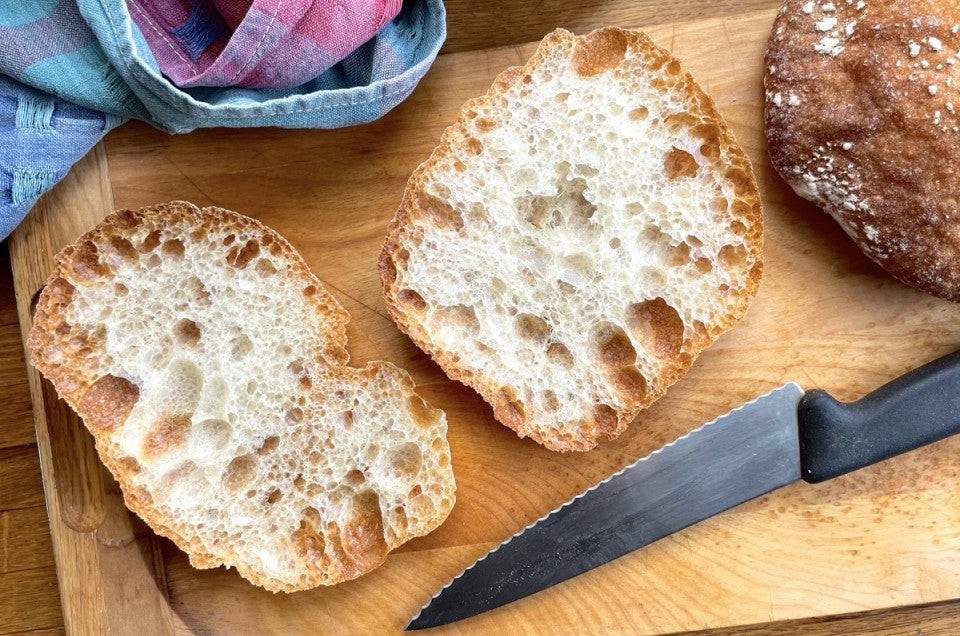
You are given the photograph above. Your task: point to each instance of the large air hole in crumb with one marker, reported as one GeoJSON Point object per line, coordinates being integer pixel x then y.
{"type": "Point", "coordinates": [658, 327]}
{"type": "Point", "coordinates": [239, 472]}
{"type": "Point", "coordinates": [559, 354]}
{"type": "Point", "coordinates": [679, 164]}
{"type": "Point", "coordinates": [269, 445]}
{"type": "Point", "coordinates": [186, 333]}
{"type": "Point", "coordinates": [732, 256]}
{"type": "Point", "coordinates": [532, 328]}
{"type": "Point", "coordinates": [410, 299]}
{"type": "Point", "coordinates": [612, 345]}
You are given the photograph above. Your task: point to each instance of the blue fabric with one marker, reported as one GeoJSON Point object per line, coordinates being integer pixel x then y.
{"type": "Point", "coordinates": [361, 88]}
{"type": "Point", "coordinates": [90, 60]}
{"type": "Point", "coordinates": [41, 136]}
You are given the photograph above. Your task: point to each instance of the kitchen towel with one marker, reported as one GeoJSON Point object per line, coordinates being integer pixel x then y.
{"type": "Point", "coordinates": [40, 138]}
{"type": "Point", "coordinates": [95, 54]}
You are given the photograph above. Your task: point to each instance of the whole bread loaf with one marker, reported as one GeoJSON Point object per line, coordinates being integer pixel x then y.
{"type": "Point", "coordinates": [580, 234]}
{"type": "Point", "coordinates": [209, 364]}
{"type": "Point", "coordinates": [862, 117]}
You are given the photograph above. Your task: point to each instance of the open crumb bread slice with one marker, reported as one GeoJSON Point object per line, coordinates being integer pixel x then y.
{"type": "Point", "coordinates": [579, 235]}
{"type": "Point", "coordinates": [209, 364]}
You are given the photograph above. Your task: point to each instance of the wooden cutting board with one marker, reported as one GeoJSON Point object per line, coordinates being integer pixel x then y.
{"type": "Point", "coordinates": [825, 316]}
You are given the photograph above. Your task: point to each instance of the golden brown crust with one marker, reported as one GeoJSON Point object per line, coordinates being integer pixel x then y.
{"type": "Point", "coordinates": [593, 54]}
{"type": "Point", "coordinates": [71, 357]}
{"type": "Point", "coordinates": [862, 118]}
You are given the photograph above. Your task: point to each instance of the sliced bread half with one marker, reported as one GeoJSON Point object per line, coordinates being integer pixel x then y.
{"type": "Point", "coordinates": [580, 234]}
{"type": "Point", "coordinates": [209, 364]}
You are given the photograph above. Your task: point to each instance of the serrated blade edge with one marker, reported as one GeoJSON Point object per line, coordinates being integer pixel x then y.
{"type": "Point", "coordinates": [779, 405]}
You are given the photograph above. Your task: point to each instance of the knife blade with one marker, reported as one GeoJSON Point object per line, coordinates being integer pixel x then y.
{"type": "Point", "coordinates": [776, 439]}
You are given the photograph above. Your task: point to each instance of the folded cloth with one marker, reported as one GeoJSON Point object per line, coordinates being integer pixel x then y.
{"type": "Point", "coordinates": [258, 44]}
{"type": "Point", "coordinates": [360, 88]}
{"type": "Point", "coordinates": [40, 138]}
{"type": "Point", "coordinates": [93, 55]}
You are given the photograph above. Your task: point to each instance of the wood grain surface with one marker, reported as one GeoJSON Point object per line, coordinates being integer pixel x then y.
{"type": "Point", "coordinates": [885, 537]}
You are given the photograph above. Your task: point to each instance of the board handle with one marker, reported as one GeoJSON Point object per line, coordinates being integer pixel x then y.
{"type": "Point", "coordinates": [916, 409]}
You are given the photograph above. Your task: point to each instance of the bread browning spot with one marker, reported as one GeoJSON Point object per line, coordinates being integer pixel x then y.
{"type": "Point", "coordinates": [738, 228]}
{"type": "Point", "coordinates": [240, 257]}
{"type": "Point", "coordinates": [85, 262]}
{"type": "Point", "coordinates": [150, 242]}
{"type": "Point", "coordinates": [472, 146]}
{"type": "Point", "coordinates": [629, 382]}
{"type": "Point", "coordinates": [168, 434]}
{"type": "Point", "coordinates": [265, 268]}
{"type": "Point", "coordinates": [59, 292]}
{"type": "Point", "coordinates": [613, 346]}
{"type": "Point", "coordinates": [404, 460]}
{"type": "Point", "coordinates": [107, 403]}
{"type": "Point", "coordinates": [120, 250]}
{"type": "Point", "coordinates": [128, 465]}
{"type": "Point", "coordinates": [485, 124]}
{"type": "Point", "coordinates": [186, 333]}
{"type": "Point", "coordinates": [409, 299]}
{"type": "Point", "coordinates": [599, 51]}
{"type": "Point", "coordinates": [703, 265]}
{"type": "Point", "coordinates": [437, 212]}
{"type": "Point", "coordinates": [532, 328]}
{"type": "Point", "coordinates": [680, 123]}
{"type": "Point", "coordinates": [269, 445]}
{"type": "Point", "coordinates": [239, 472]}
{"type": "Point", "coordinates": [709, 133]}
{"type": "Point", "coordinates": [658, 326]}
{"type": "Point", "coordinates": [549, 401]}
{"type": "Point", "coordinates": [310, 290]}
{"type": "Point", "coordinates": [294, 415]}
{"type": "Point", "coordinates": [679, 254]}
{"type": "Point", "coordinates": [732, 256]}
{"type": "Point", "coordinates": [679, 163]}
{"type": "Point", "coordinates": [741, 180]}
{"type": "Point", "coordinates": [422, 413]}
{"type": "Point", "coordinates": [274, 496]}
{"type": "Point", "coordinates": [639, 113]}
{"type": "Point", "coordinates": [559, 354]}
{"type": "Point", "coordinates": [354, 477]}
{"type": "Point", "coordinates": [362, 532]}
{"type": "Point", "coordinates": [229, 239]}
{"type": "Point", "coordinates": [605, 419]}
{"type": "Point", "coordinates": [172, 248]}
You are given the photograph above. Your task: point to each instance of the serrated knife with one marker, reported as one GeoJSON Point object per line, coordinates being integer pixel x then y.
{"type": "Point", "coordinates": [776, 439]}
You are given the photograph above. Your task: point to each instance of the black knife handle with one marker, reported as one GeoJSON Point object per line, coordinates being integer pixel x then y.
{"type": "Point", "coordinates": [918, 408]}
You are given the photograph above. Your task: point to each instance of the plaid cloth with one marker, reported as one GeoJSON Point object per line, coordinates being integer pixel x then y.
{"type": "Point", "coordinates": [259, 44]}
{"type": "Point", "coordinates": [187, 64]}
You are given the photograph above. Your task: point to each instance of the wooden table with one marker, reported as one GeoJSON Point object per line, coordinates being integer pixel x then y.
{"type": "Point", "coordinates": [29, 597]}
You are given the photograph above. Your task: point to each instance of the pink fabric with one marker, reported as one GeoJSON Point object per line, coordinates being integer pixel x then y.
{"type": "Point", "coordinates": [258, 43]}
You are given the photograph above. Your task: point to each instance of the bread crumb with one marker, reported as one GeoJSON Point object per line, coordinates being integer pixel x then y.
{"type": "Point", "coordinates": [829, 45]}
{"type": "Point", "coordinates": [914, 49]}
{"type": "Point", "coordinates": [932, 89]}
{"type": "Point", "coordinates": [934, 43]}
{"type": "Point", "coordinates": [808, 8]}
{"type": "Point", "coordinates": [847, 145]}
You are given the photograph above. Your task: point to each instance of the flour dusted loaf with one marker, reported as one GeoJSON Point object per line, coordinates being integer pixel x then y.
{"type": "Point", "coordinates": [209, 364]}
{"type": "Point", "coordinates": [862, 118]}
{"type": "Point", "coordinates": [581, 233]}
